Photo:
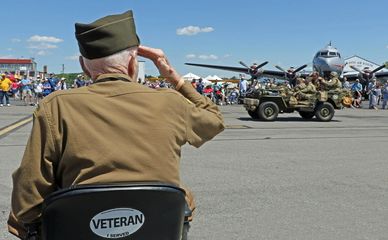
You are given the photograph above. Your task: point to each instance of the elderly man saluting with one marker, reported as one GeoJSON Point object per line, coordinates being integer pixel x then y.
{"type": "Point", "coordinates": [114, 130]}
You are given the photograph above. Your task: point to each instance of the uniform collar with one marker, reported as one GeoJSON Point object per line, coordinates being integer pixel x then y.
{"type": "Point", "coordinates": [112, 77]}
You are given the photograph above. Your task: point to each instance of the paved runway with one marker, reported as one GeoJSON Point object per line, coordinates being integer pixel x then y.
{"type": "Point", "coordinates": [289, 179]}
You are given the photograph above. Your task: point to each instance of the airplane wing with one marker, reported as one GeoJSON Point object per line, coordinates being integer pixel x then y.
{"type": "Point", "coordinates": [233, 69]}
{"type": "Point", "coordinates": [381, 74]}
{"type": "Point", "coordinates": [352, 76]}
{"type": "Point", "coordinates": [263, 73]}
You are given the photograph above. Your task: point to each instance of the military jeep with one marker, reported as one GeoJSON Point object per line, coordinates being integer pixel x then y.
{"type": "Point", "coordinates": [266, 104]}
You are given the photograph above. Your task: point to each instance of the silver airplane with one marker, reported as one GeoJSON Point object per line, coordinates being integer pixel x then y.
{"type": "Point", "coordinates": [325, 61]}
{"type": "Point", "coordinates": [328, 60]}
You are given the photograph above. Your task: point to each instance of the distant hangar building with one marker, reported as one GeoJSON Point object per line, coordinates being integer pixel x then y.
{"type": "Point", "coordinates": [18, 66]}
{"type": "Point", "coordinates": [359, 63]}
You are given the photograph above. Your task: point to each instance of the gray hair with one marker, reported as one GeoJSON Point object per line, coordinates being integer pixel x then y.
{"type": "Point", "coordinates": [115, 63]}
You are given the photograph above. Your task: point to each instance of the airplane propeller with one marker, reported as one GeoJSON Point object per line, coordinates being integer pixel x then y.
{"type": "Point", "coordinates": [291, 76]}
{"type": "Point", "coordinates": [379, 68]}
{"type": "Point", "coordinates": [253, 71]}
{"type": "Point", "coordinates": [356, 69]}
{"type": "Point", "coordinates": [367, 75]}
{"type": "Point", "coordinates": [281, 69]}
{"type": "Point", "coordinates": [294, 71]}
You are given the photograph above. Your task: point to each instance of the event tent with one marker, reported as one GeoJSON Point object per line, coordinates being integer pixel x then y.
{"type": "Point", "coordinates": [213, 78]}
{"type": "Point", "coordinates": [190, 76]}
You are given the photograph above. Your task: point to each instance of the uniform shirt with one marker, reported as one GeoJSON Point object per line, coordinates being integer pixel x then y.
{"type": "Point", "coordinates": [309, 89]}
{"type": "Point", "coordinates": [110, 131]}
{"type": "Point", "coordinates": [300, 86]}
{"type": "Point", "coordinates": [334, 83]}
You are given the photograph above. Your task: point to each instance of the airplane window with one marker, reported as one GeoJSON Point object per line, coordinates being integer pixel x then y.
{"type": "Point", "coordinates": [339, 55]}
{"type": "Point", "coordinates": [332, 54]}
{"type": "Point", "coordinates": [324, 53]}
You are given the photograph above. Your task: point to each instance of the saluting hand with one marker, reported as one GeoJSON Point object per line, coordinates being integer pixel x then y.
{"type": "Point", "coordinates": [162, 63]}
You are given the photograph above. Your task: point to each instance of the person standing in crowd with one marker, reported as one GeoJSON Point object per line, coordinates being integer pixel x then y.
{"type": "Point", "coordinates": [47, 88]}
{"type": "Point", "coordinates": [357, 93]}
{"type": "Point", "coordinates": [62, 84]}
{"type": "Point", "coordinates": [38, 90]}
{"type": "Point", "coordinates": [80, 81]}
{"type": "Point", "coordinates": [5, 86]}
{"type": "Point", "coordinates": [376, 95]}
{"type": "Point", "coordinates": [384, 92]}
{"type": "Point", "coordinates": [15, 89]}
{"type": "Point", "coordinates": [53, 80]}
{"type": "Point", "coordinates": [200, 86]}
{"type": "Point", "coordinates": [371, 88]}
{"type": "Point", "coordinates": [346, 84]}
{"type": "Point", "coordinates": [357, 86]}
{"type": "Point", "coordinates": [26, 86]}
{"type": "Point", "coordinates": [243, 86]}
{"type": "Point", "coordinates": [124, 120]}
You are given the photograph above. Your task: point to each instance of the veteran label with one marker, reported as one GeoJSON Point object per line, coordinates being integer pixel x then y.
{"type": "Point", "coordinates": [117, 222]}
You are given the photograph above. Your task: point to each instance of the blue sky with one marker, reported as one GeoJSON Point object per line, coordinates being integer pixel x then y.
{"type": "Point", "coordinates": [282, 32]}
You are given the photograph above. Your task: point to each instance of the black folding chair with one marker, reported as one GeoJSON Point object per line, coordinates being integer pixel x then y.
{"type": "Point", "coordinates": [146, 211]}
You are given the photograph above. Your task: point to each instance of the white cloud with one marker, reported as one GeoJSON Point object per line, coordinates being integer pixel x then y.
{"type": "Point", "coordinates": [43, 45]}
{"type": "Point", "coordinates": [37, 38]}
{"type": "Point", "coordinates": [227, 55]}
{"type": "Point", "coordinates": [386, 46]}
{"type": "Point", "coordinates": [75, 57]}
{"type": "Point", "coordinates": [191, 56]}
{"type": "Point", "coordinates": [9, 49]}
{"type": "Point", "coordinates": [207, 57]}
{"type": "Point", "coordinates": [42, 53]}
{"type": "Point", "coordinates": [193, 30]}
{"type": "Point", "coordinates": [15, 40]}
{"type": "Point", "coordinates": [202, 56]}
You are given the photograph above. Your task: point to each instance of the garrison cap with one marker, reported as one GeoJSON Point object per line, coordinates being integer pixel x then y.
{"type": "Point", "coordinates": [107, 35]}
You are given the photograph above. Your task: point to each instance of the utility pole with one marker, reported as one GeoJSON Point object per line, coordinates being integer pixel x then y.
{"type": "Point", "coordinates": [63, 68]}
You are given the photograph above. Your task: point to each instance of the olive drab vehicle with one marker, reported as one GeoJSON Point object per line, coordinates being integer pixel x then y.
{"type": "Point", "coordinates": [266, 104]}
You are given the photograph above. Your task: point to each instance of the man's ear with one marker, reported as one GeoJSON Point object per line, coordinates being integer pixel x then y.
{"type": "Point", "coordinates": [132, 67]}
{"type": "Point", "coordinates": [86, 71]}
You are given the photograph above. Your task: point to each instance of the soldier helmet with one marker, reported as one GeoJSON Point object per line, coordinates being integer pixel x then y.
{"type": "Point", "coordinates": [334, 74]}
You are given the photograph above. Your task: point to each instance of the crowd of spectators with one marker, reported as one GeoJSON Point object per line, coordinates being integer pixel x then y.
{"type": "Point", "coordinates": [31, 90]}
{"type": "Point", "coordinates": [374, 92]}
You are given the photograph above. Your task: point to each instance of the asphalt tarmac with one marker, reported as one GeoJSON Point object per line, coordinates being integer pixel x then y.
{"type": "Point", "coordinates": [288, 179]}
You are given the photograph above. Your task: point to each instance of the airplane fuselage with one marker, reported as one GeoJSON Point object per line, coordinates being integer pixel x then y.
{"type": "Point", "coordinates": [328, 60]}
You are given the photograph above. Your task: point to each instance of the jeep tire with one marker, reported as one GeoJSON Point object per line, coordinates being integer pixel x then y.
{"type": "Point", "coordinates": [268, 111]}
{"type": "Point", "coordinates": [324, 112]}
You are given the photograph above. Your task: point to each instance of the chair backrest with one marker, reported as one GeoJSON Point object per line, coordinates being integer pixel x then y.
{"type": "Point", "coordinates": [126, 211]}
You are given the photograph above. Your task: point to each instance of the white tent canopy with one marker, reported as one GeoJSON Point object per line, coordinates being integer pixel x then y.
{"type": "Point", "coordinates": [190, 76]}
{"type": "Point", "coordinates": [214, 77]}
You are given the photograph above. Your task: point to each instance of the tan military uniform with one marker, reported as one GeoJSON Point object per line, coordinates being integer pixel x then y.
{"type": "Point", "coordinates": [306, 92]}
{"type": "Point", "coordinates": [333, 84]}
{"type": "Point", "coordinates": [114, 130]}
{"type": "Point", "coordinates": [300, 86]}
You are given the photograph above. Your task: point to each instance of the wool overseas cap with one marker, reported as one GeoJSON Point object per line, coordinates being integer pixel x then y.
{"type": "Point", "coordinates": [107, 35]}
